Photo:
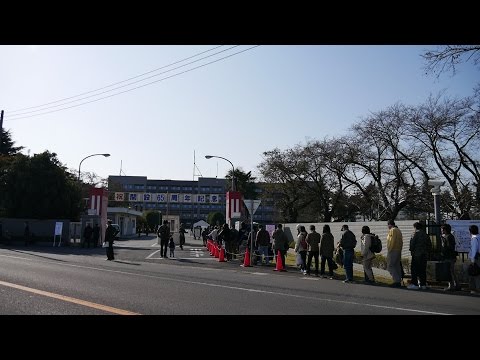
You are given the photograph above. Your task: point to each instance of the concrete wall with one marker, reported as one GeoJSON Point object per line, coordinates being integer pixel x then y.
{"type": "Point", "coordinates": [37, 227]}
{"type": "Point", "coordinates": [378, 227]}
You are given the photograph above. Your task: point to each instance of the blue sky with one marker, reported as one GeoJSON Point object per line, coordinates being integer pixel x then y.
{"type": "Point", "coordinates": [237, 108]}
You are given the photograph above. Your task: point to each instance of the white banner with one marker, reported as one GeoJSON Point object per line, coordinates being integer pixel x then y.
{"type": "Point", "coordinates": [461, 233]}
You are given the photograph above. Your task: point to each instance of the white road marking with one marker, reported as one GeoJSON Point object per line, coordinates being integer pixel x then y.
{"type": "Point", "coordinates": [73, 300]}
{"type": "Point", "coordinates": [360, 304]}
{"type": "Point", "coordinates": [196, 252]}
{"type": "Point", "coordinates": [151, 255]}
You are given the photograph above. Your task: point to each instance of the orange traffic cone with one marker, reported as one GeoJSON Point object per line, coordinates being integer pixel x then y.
{"type": "Point", "coordinates": [221, 257]}
{"type": "Point", "coordinates": [279, 263]}
{"type": "Point", "coordinates": [246, 260]}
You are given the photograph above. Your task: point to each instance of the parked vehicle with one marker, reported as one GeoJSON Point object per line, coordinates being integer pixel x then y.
{"type": "Point", "coordinates": [117, 227]}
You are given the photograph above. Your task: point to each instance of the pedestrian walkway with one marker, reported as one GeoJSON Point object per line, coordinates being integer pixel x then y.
{"type": "Point", "coordinates": [189, 240]}
{"type": "Point", "coordinates": [376, 271]}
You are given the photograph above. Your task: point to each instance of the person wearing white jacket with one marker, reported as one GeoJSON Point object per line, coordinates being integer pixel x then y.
{"type": "Point", "coordinates": [301, 247]}
{"type": "Point", "coordinates": [474, 256]}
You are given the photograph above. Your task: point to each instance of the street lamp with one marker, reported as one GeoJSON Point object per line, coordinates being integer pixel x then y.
{"type": "Point", "coordinates": [233, 168]}
{"type": "Point", "coordinates": [79, 166]}
{"type": "Point", "coordinates": [436, 197]}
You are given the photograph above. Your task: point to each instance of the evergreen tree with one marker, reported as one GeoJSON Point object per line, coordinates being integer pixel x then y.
{"type": "Point", "coordinates": [6, 146]}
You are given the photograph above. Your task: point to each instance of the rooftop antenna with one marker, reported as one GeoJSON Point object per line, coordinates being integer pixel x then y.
{"type": "Point", "coordinates": [195, 168]}
{"type": "Point", "coordinates": [121, 171]}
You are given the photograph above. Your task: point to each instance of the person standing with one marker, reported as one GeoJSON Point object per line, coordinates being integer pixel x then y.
{"type": "Point", "coordinates": [204, 236]}
{"type": "Point", "coordinates": [348, 243]}
{"type": "Point", "coordinates": [418, 249]}
{"type": "Point", "coordinates": [301, 247]}
{"type": "Point", "coordinates": [474, 256]}
{"type": "Point", "coordinates": [164, 235]}
{"type": "Point", "coordinates": [313, 241]}
{"type": "Point", "coordinates": [327, 247]}
{"type": "Point", "coordinates": [87, 235]}
{"type": "Point", "coordinates": [96, 235]}
{"type": "Point", "coordinates": [182, 232]}
{"type": "Point", "coordinates": [394, 253]}
{"type": "Point", "coordinates": [110, 233]}
{"type": "Point", "coordinates": [263, 243]}
{"type": "Point", "coordinates": [171, 246]}
{"type": "Point", "coordinates": [279, 242]}
{"type": "Point", "coordinates": [223, 239]}
{"type": "Point", "coordinates": [449, 255]}
{"type": "Point", "coordinates": [367, 255]}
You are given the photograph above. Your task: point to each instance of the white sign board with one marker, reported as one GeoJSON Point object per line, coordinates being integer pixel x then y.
{"type": "Point", "coordinates": [461, 233]}
{"type": "Point", "coordinates": [58, 228]}
{"type": "Point", "coordinates": [270, 229]}
{"type": "Point", "coordinates": [252, 205]}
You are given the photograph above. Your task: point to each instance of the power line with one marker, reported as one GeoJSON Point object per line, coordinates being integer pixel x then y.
{"type": "Point", "coordinates": [137, 87]}
{"type": "Point", "coordinates": [122, 86]}
{"type": "Point", "coordinates": [118, 82]}
{"type": "Point", "coordinates": [118, 87]}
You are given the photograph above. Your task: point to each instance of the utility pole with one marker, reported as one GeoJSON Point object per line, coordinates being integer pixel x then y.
{"type": "Point", "coordinates": [1, 130]}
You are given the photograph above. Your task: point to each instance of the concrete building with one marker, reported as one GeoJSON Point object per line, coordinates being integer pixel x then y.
{"type": "Point", "coordinates": [189, 199]}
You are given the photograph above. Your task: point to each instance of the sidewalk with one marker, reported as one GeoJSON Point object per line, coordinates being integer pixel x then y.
{"type": "Point", "coordinates": [189, 240]}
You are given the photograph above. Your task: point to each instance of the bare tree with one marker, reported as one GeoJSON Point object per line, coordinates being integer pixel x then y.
{"type": "Point", "coordinates": [447, 58]}
{"type": "Point", "coordinates": [376, 154]}
{"type": "Point", "coordinates": [448, 130]}
{"type": "Point", "coordinates": [306, 172]}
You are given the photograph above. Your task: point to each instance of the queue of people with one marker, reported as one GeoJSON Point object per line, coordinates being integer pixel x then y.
{"type": "Point", "coordinates": [313, 245]}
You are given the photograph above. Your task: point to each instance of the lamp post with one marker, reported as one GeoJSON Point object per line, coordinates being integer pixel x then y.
{"type": "Point", "coordinates": [233, 168]}
{"type": "Point", "coordinates": [79, 166]}
{"type": "Point", "coordinates": [436, 198]}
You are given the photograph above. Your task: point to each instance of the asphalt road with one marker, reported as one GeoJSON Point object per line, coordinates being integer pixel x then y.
{"type": "Point", "coordinates": [47, 280]}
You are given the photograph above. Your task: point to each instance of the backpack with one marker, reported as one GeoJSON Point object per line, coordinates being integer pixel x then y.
{"type": "Point", "coordinates": [376, 245]}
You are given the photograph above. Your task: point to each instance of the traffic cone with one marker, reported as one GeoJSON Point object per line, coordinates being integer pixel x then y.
{"type": "Point", "coordinates": [279, 263]}
{"type": "Point", "coordinates": [221, 257]}
{"type": "Point", "coordinates": [246, 260]}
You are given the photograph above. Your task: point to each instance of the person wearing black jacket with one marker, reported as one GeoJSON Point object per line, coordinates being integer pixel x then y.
{"type": "Point", "coordinates": [110, 233]}
{"type": "Point", "coordinates": [164, 235]}
{"type": "Point", "coordinates": [348, 243]}
{"type": "Point", "coordinates": [449, 255]}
